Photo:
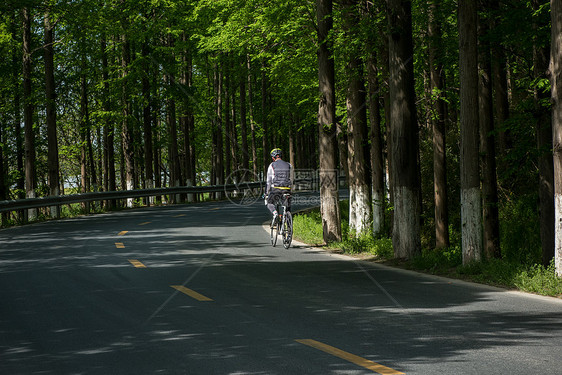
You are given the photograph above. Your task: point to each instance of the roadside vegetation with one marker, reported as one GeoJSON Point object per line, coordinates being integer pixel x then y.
{"type": "Point", "coordinates": [513, 271]}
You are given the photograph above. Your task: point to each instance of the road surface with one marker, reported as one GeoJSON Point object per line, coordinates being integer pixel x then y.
{"type": "Point", "coordinates": [198, 289]}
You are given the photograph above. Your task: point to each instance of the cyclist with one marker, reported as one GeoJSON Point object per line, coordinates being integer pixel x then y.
{"type": "Point", "coordinates": [279, 181]}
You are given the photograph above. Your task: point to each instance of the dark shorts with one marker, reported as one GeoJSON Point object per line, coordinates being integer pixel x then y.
{"type": "Point", "coordinates": [276, 198]}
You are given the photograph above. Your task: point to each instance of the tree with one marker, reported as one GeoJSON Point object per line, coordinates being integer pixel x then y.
{"type": "Point", "coordinates": [491, 235]}
{"type": "Point", "coordinates": [30, 171]}
{"type": "Point", "coordinates": [376, 137]}
{"type": "Point", "coordinates": [436, 72]}
{"type": "Point", "coordinates": [541, 54]}
{"type": "Point", "coordinates": [471, 204]}
{"type": "Point", "coordinates": [359, 194]}
{"type": "Point", "coordinates": [404, 132]}
{"type": "Point", "coordinates": [50, 94]}
{"type": "Point", "coordinates": [555, 70]}
{"type": "Point", "coordinates": [329, 195]}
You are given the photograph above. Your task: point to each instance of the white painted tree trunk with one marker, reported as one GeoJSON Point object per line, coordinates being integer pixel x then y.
{"type": "Point", "coordinates": [362, 209]}
{"type": "Point", "coordinates": [190, 196]}
{"type": "Point", "coordinates": [378, 212]}
{"type": "Point", "coordinates": [130, 187]}
{"type": "Point", "coordinates": [352, 222]}
{"type": "Point", "coordinates": [471, 228]}
{"type": "Point", "coordinates": [556, 94]}
{"type": "Point", "coordinates": [406, 219]}
{"type": "Point", "coordinates": [150, 185]}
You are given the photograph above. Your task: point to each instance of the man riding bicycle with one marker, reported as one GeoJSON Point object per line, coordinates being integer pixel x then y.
{"type": "Point", "coordinates": [279, 182]}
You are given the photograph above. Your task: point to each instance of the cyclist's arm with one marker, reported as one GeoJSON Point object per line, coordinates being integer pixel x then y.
{"type": "Point", "coordinates": [269, 181]}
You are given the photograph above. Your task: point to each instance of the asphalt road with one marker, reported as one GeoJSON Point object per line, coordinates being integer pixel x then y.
{"type": "Point", "coordinates": [198, 289]}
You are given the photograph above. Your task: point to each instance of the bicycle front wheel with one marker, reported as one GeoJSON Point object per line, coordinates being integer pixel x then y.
{"type": "Point", "coordinates": [287, 230]}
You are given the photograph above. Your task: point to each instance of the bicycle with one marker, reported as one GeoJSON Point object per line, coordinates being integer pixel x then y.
{"type": "Point", "coordinates": [283, 223]}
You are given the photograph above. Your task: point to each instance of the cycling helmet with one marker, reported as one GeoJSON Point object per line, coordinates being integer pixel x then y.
{"type": "Point", "coordinates": [276, 152]}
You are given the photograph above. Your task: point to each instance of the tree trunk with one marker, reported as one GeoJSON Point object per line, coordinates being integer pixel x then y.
{"type": "Point", "coordinates": [360, 207]}
{"type": "Point", "coordinates": [244, 123]}
{"type": "Point", "coordinates": [84, 180]}
{"type": "Point", "coordinates": [376, 150]}
{"type": "Point", "coordinates": [488, 148]}
{"type": "Point", "coordinates": [544, 144]}
{"type": "Point", "coordinates": [30, 173]}
{"type": "Point", "coordinates": [499, 73]}
{"type": "Point", "coordinates": [329, 195]}
{"type": "Point", "coordinates": [20, 180]}
{"type": "Point", "coordinates": [555, 70]}
{"type": "Point", "coordinates": [359, 189]}
{"type": "Point", "coordinates": [438, 123]}
{"type": "Point", "coordinates": [147, 123]}
{"type": "Point", "coordinates": [109, 136]}
{"type": "Point", "coordinates": [265, 137]}
{"type": "Point", "coordinates": [471, 204]}
{"type": "Point", "coordinates": [404, 133]}
{"type": "Point", "coordinates": [51, 119]}
{"type": "Point", "coordinates": [127, 133]}
{"type": "Point", "coordinates": [218, 130]}
{"type": "Point", "coordinates": [186, 121]}
{"type": "Point", "coordinates": [252, 122]}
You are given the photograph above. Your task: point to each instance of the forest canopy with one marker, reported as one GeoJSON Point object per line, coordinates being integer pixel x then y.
{"type": "Point", "coordinates": [129, 94]}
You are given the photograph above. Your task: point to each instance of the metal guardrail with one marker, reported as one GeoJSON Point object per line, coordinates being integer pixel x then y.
{"type": "Point", "coordinates": [23, 204]}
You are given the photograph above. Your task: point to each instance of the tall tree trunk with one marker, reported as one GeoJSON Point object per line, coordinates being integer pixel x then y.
{"type": "Point", "coordinates": [471, 204]}
{"type": "Point", "coordinates": [499, 82]}
{"type": "Point", "coordinates": [360, 205]}
{"type": "Point", "coordinates": [490, 212]}
{"type": "Point", "coordinates": [329, 195]}
{"type": "Point", "coordinates": [16, 60]}
{"type": "Point", "coordinates": [555, 70]}
{"type": "Point", "coordinates": [265, 138]}
{"type": "Point", "coordinates": [544, 142]}
{"type": "Point", "coordinates": [404, 133]}
{"type": "Point", "coordinates": [147, 122]}
{"type": "Point", "coordinates": [51, 119]}
{"type": "Point", "coordinates": [30, 173]}
{"type": "Point", "coordinates": [108, 130]}
{"type": "Point", "coordinates": [127, 133]}
{"type": "Point", "coordinates": [84, 125]}
{"type": "Point", "coordinates": [376, 137]}
{"type": "Point", "coordinates": [186, 121]}
{"type": "Point", "coordinates": [243, 122]}
{"type": "Point", "coordinates": [218, 129]}
{"type": "Point", "coordinates": [3, 187]}
{"type": "Point", "coordinates": [438, 123]}
{"type": "Point", "coordinates": [252, 122]}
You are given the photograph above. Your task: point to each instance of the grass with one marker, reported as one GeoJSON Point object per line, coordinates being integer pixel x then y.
{"type": "Point", "coordinates": [533, 278]}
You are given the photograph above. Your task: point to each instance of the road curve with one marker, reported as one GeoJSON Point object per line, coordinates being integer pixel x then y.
{"type": "Point", "coordinates": [197, 289]}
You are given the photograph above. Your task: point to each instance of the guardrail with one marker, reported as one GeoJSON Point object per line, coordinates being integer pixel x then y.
{"type": "Point", "coordinates": [28, 203]}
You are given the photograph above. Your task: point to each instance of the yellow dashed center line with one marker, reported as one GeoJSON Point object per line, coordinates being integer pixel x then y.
{"type": "Point", "coordinates": [119, 245]}
{"type": "Point", "coordinates": [136, 263]}
{"type": "Point", "coordinates": [191, 293]}
{"type": "Point", "coordinates": [123, 232]}
{"type": "Point", "coordinates": [370, 365]}
{"type": "Point", "coordinates": [180, 215]}
{"type": "Point", "coordinates": [146, 222]}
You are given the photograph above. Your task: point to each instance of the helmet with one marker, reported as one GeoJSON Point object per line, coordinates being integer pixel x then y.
{"type": "Point", "coordinates": [276, 152]}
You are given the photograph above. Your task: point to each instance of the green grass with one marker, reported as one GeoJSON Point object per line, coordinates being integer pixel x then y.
{"type": "Point", "coordinates": [505, 273]}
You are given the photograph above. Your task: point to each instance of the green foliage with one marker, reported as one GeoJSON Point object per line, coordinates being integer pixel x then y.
{"type": "Point", "coordinates": [520, 230]}
{"type": "Point", "coordinates": [538, 279]}
{"type": "Point", "coordinates": [308, 227]}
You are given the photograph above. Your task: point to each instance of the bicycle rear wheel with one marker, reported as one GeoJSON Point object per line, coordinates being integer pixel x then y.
{"type": "Point", "coordinates": [274, 232]}
{"type": "Point", "coordinates": [287, 230]}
